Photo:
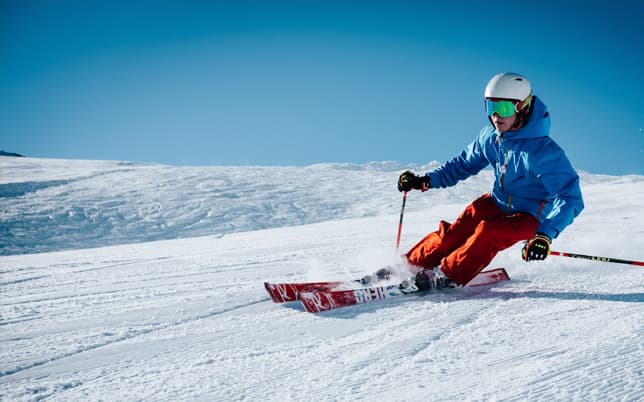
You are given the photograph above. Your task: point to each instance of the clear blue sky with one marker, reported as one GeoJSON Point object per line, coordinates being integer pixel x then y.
{"type": "Point", "coordinates": [309, 81]}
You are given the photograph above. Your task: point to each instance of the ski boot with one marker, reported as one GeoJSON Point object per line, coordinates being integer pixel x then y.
{"type": "Point", "coordinates": [433, 279]}
{"type": "Point", "coordinates": [425, 280]}
{"type": "Point", "coordinates": [420, 282]}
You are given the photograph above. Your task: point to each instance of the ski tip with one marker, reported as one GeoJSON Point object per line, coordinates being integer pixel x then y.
{"type": "Point", "coordinates": [503, 275]}
{"type": "Point", "coordinates": [271, 293]}
{"type": "Point", "coordinates": [507, 276]}
{"type": "Point", "coordinates": [280, 293]}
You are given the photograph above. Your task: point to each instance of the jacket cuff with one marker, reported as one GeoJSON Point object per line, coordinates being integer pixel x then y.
{"type": "Point", "coordinates": [545, 229]}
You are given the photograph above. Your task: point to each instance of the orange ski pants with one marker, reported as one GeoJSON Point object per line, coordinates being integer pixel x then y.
{"type": "Point", "coordinates": [468, 245]}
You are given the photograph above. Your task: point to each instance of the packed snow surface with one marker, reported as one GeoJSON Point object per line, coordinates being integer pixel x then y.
{"type": "Point", "coordinates": [172, 306]}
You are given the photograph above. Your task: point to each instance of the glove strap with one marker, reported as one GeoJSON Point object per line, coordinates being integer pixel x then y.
{"type": "Point", "coordinates": [424, 183]}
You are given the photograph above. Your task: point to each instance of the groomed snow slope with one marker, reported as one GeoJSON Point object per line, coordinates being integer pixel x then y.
{"type": "Point", "coordinates": [188, 319]}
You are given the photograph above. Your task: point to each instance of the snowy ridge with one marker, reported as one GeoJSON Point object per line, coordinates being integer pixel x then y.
{"type": "Point", "coordinates": [188, 319]}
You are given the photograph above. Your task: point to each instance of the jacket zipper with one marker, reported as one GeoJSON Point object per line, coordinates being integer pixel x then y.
{"type": "Point", "coordinates": [503, 168]}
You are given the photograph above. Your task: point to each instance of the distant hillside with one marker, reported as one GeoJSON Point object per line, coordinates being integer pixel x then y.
{"type": "Point", "coordinates": [5, 153]}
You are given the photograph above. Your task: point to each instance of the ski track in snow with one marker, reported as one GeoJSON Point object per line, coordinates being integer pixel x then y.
{"type": "Point", "coordinates": [189, 319]}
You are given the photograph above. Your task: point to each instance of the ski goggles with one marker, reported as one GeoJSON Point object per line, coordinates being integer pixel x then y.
{"type": "Point", "coordinates": [504, 108]}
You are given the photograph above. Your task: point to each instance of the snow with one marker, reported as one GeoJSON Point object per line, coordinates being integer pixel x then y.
{"type": "Point", "coordinates": [126, 281]}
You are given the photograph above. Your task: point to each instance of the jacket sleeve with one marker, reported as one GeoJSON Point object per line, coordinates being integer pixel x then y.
{"type": "Point", "coordinates": [562, 183]}
{"type": "Point", "coordinates": [468, 163]}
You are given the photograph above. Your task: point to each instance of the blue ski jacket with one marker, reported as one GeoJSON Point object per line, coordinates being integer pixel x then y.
{"type": "Point", "coordinates": [533, 174]}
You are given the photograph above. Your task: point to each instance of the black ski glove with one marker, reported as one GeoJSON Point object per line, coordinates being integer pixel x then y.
{"type": "Point", "coordinates": [537, 248]}
{"type": "Point", "coordinates": [408, 181]}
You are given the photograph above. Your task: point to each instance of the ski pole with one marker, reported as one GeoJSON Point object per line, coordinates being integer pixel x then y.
{"type": "Point", "coordinates": [402, 213]}
{"type": "Point", "coordinates": [596, 258]}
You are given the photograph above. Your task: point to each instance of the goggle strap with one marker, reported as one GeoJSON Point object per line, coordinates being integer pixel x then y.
{"type": "Point", "coordinates": [525, 104]}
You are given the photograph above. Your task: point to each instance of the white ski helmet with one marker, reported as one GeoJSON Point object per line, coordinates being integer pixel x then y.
{"type": "Point", "coordinates": [508, 86]}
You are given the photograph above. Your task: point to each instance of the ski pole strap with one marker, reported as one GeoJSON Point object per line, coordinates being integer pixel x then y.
{"type": "Point", "coordinates": [402, 213]}
{"type": "Point", "coordinates": [596, 258]}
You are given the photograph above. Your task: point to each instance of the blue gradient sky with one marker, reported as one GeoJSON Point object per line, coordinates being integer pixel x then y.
{"type": "Point", "coordinates": [302, 82]}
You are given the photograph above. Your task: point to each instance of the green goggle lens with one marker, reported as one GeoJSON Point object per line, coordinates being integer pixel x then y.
{"type": "Point", "coordinates": [504, 108]}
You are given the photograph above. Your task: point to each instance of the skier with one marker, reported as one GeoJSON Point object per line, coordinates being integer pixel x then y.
{"type": "Point", "coordinates": [536, 191]}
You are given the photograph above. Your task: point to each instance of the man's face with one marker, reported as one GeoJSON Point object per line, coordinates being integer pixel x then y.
{"type": "Point", "coordinates": [502, 125]}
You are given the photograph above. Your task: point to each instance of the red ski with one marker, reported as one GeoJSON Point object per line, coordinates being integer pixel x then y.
{"type": "Point", "coordinates": [322, 300]}
{"type": "Point", "coordinates": [288, 292]}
